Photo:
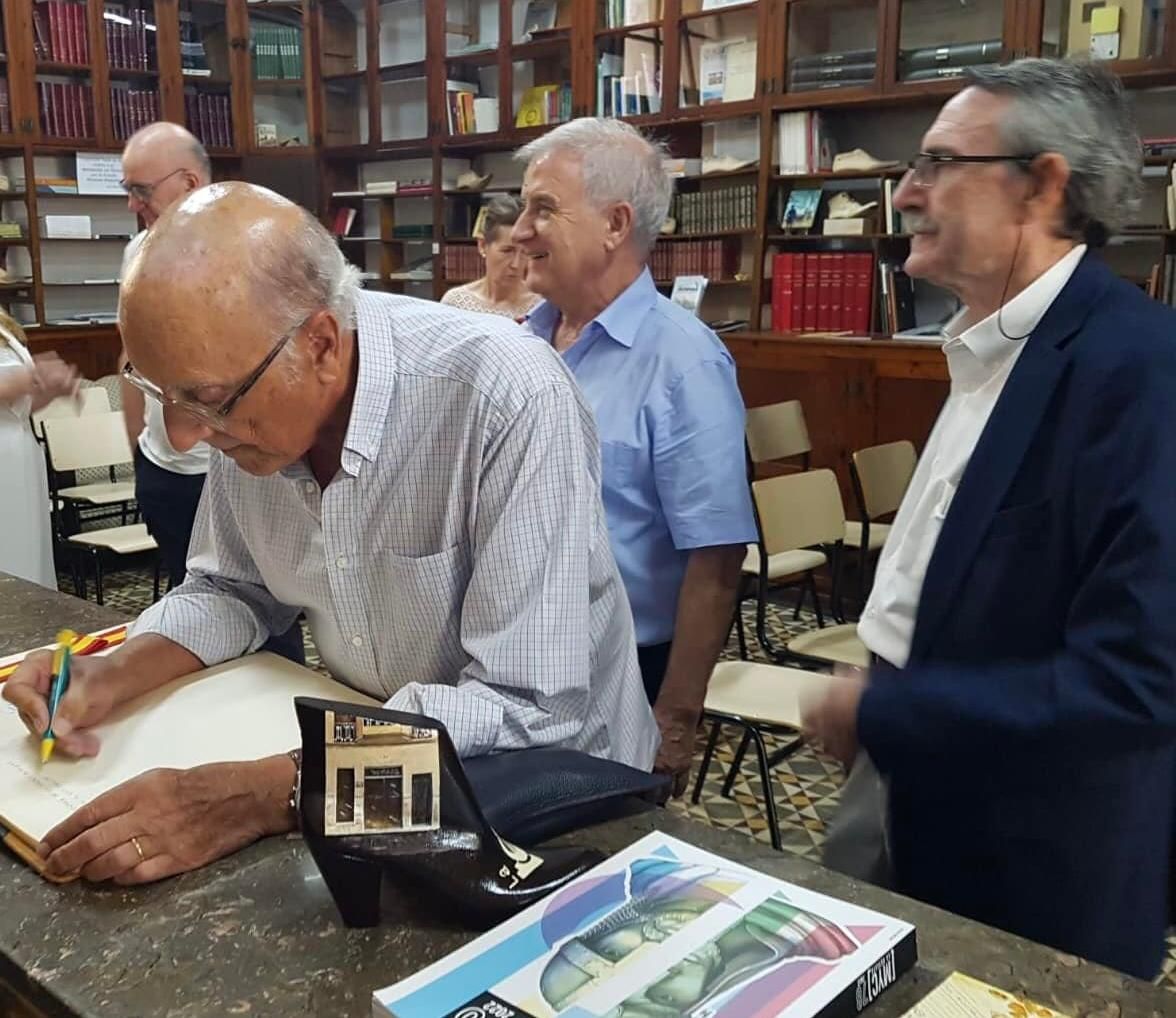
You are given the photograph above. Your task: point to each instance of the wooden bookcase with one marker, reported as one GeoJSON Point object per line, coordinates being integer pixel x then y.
{"type": "Point", "coordinates": [361, 92]}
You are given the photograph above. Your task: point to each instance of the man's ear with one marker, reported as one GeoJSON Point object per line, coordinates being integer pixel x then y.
{"type": "Point", "coordinates": [620, 225]}
{"type": "Point", "coordinates": [1049, 174]}
{"type": "Point", "coordinates": [324, 346]}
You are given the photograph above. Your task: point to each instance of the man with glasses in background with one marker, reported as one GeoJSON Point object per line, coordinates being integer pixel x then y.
{"type": "Point", "coordinates": [1021, 710]}
{"type": "Point", "coordinates": [161, 164]}
{"type": "Point", "coordinates": [423, 482]}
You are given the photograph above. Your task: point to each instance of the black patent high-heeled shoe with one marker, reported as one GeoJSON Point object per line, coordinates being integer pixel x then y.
{"type": "Point", "coordinates": [384, 793]}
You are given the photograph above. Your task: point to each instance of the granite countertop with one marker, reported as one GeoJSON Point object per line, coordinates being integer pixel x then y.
{"type": "Point", "coordinates": [257, 933]}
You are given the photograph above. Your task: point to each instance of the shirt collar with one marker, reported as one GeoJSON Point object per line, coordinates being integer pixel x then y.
{"type": "Point", "coordinates": [978, 352]}
{"type": "Point", "coordinates": [374, 384]}
{"type": "Point", "coordinates": [621, 320]}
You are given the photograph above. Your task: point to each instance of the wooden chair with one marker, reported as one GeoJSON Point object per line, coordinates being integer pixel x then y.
{"type": "Point", "coordinates": [802, 513]}
{"type": "Point", "coordinates": [93, 399]}
{"type": "Point", "coordinates": [80, 443]}
{"type": "Point", "coordinates": [880, 475]}
{"type": "Point", "coordinates": [761, 700]}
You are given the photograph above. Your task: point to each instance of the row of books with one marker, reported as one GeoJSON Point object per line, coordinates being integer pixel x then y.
{"type": "Point", "coordinates": [131, 109]}
{"type": "Point", "coordinates": [822, 291]}
{"type": "Point", "coordinates": [209, 116]}
{"type": "Point", "coordinates": [859, 67]}
{"type": "Point", "coordinates": [618, 13]}
{"type": "Point", "coordinates": [59, 32]}
{"type": "Point", "coordinates": [804, 144]}
{"type": "Point", "coordinates": [715, 259]}
{"type": "Point", "coordinates": [544, 104]}
{"type": "Point", "coordinates": [467, 111]}
{"type": "Point", "coordinates": [628, 85]}
{"type": "Point", "coordinates": [462, 262]}
{"type": "Point", "coordinates": [1162, 283]}
{"type": "Point", "coordinates": [277, 51]}
{"type": "Point", "coordinates": [896, 299]}
{"type": "Point", "coordinates": [726, 208]}
{"type": "Point", "coordinates": [130, 40]}
{"type": "Point", "coordinates": [193, 58]}
{"type": "Point", "coordinates": [67, 109]}
{"type": "Point", "coordinates": [5, 108]}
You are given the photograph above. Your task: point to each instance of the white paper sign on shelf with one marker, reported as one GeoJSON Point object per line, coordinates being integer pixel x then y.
{"type": "Point", "coordinates": [99, 173]}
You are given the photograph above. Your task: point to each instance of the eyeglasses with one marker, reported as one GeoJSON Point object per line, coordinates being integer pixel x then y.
{"type": "Point", "coordinates": [143, 192]}
{"type": "Point", "coordinates": [924, 168]}
{"type": "Point", "coordinates": [216, 416]}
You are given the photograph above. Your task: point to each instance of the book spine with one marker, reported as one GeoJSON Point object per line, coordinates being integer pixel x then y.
{"type": "Point", "coordinates": [811, 269]}
{"type": "Point", "coordinates": [837, 315]}
{"type": "Point", "coordinates": [782, 292]}
{"type": "Point", "coordinates": [872, 983]}
{"type": "Point", "coordinates": [825, 291]}
{"type": "Point", "coordinates": [57, 50]}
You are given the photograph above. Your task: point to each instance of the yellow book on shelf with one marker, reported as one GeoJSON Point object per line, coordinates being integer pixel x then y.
{"type": "Point", "coordinates": [533, 108]}
{"type": "Point", "coordinates": [240, 710]}
{"type": "Point", "coordinates": [961, 996]}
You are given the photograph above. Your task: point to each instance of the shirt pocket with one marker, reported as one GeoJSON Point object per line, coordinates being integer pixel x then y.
{"type": "Point", "coordinates": [1013, 521]}
{"type": "Point", "coordinates": [424, 624]}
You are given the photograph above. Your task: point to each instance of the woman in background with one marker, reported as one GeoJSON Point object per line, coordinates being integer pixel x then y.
{"type": "Point", "coordinates": [501, 291]}
{"type": "Point", "coordinates": [26, 385]}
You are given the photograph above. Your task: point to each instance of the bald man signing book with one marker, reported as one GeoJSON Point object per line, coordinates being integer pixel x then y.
{"type": "Point", "coordinates": [422, 482]}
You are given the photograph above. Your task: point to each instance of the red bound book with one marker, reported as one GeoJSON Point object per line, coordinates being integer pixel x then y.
{"type": "Point", "coordinates": [797, 292]}
{"type": "Point", "coordinates": [825, 291]}
{"type": "Point", "coordinates": [57, 49]}
{"type": "Point", "coordinates": [782, 292]}
{"type": "Point", "coordinates": [864, 301]}
{"type": "Point", "coordinates": [57, 109]}
{"type": "Point", "coordinates": [205, 129]}
{"type": "Point", "coordinates": [811, 267]}
{"type": "Point", "coordinates": [86, 110]}
{"type": "Point", "coordinates": [43, 105]}
{"type": "Point", "coordinates": [5, 112]}
{"type": "Point", "coordinates": [83, 34]}
{"type": "Point", "coordinates": [109, 28]}
{"type": "Point", "coordinates": [224, 121]}
{"type": "Point", "coordinates": [71, 17]}
{"type": "Point", "coordinates": [78, 110]}
{"type": "Point", "coordinates": [837, 317]}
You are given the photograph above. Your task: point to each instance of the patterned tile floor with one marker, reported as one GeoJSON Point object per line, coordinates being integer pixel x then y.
{"type": "Point", "coordinates": [806, 786]}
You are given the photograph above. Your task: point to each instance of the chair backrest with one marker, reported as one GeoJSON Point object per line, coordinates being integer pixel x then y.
{"type": "Point", "coordinates": [93, 399]}
{"type": "Point", "coordinates": [97, 440]}
{"type": "Point", "coordinates": [882, 474]}
{"type": "Point", "coordinates": [777, 432]}
{"type": "Point", "coordinates": [799, 510]}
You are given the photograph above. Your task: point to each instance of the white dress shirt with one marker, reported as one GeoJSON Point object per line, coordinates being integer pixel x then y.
{"type": "Point", "coordinates": [979, 361]}
{"type": "Point", "coordinates": [457, 565]}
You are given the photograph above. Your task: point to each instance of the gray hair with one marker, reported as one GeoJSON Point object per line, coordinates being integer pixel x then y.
{"type": "Point", "coordinates": [618, 164]}
{"type": "Point", "coordinates": [501, 210]}
{"type": "Point", "coordinates": [1079, 110]}
{"type": "Point", "coordinates": [303, 273]}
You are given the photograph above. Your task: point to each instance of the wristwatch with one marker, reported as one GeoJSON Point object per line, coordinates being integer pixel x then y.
{"type": "Point", "coordinates": [295, 799]}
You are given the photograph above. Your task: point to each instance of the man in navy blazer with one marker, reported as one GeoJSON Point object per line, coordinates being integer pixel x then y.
{"type": "Point", "coordinates": [1022, 710]}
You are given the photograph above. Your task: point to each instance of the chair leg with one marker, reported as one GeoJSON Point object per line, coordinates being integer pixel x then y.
{"type": "Point", "coordinates": [799, 602]}
{"type": "Point", "coordinates": [99, 594]}
{"type": "Point", "coordinates": [836, 564]}
{"type": "Point", "coordinates": [740, 631]}
{"type": "Point", "coordinates": [706, 759]}
{"type": "Point", "coordinates": [77, 567]}
{"type": "Point", "coordinates": [740, 753]}
{"type": "Point", "coordinates": [761, 625]}
{"type": "Point", "coordinates": [155, 578]}
{"type": "Point", "coordinates": [812, 586]}
{"type": "Point", "coordinates": [769, 796]}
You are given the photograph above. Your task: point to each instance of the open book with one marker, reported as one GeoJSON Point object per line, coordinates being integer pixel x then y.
{"type": "Point", "coordinates": [240, 710]}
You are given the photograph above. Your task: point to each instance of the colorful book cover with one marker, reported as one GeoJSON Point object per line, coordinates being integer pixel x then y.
{"type": "Point", "coordinates": [666, 930]}
{"type": "Point", "coordinates": [961, 996]}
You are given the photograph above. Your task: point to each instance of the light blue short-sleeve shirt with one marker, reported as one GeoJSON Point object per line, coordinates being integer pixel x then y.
{"type": "Point", "coordinates": [670, 416]}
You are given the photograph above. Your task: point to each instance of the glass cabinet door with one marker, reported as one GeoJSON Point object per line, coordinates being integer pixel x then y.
{"type": "Point", "coordinates": [404, 111]}
{"type": "Point", "coordinates": [629, 72]}
{"type": "Point", "coordinates": [207, 71]}
{"type": "Point", "coordinates": [64, 84]}
{"type": "Point", "coordinates": [832, 44]}
{"type": "Point", "coordinates": [5, 100]}
{"type": "Point", "coordinates": [1104, 31]}
{"type": "Point", "coordinates": [718, 53]}
{"type": "Point", "coordinates": [277, 71]}
{"type": "Point", "coordinates": [940, 38]}
{"type": "Point", "coordinates": [129, 33]}
{"type": "Point", "coordinates": [343, 41]}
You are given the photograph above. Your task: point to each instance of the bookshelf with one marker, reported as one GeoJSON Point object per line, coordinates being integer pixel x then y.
{"type": "Point", "coordinates": [369, 92]}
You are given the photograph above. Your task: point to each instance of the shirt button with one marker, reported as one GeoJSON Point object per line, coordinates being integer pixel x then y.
{"type": "Point", "coordinates": [341, 561]}
{"type": "Point", "coordinates": [357, 641]}
{"type": "Point", "coordinates": [309, 487]}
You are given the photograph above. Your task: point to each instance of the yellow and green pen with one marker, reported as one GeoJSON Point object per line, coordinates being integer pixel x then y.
{"type": "Point", "coordinates": [61, 655]}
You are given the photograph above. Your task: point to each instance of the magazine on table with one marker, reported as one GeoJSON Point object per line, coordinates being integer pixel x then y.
{"type": "Point", "coordinates": [666, 930]}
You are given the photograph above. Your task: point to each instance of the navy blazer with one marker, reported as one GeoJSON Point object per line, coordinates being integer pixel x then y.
{"type": "Point", "coordinates": [1030, 742]}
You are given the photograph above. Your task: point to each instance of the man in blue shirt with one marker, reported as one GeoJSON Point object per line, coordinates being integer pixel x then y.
{"type": "Point", "coordinates": [666, 401]}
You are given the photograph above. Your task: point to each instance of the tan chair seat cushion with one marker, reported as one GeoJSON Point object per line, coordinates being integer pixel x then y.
{"type": "Point", "coordinates": [767, 693]}
{"type": "Point", "coordinates": [785, 563]}
{"type": "Point", "coordinates": [122, 540]}
{"type": "Point", "coordinates": [878, 534]}
{"type": "Point", "coordinates": [833, 643]}
{"type": "Point", "coordinates": [100, 494]}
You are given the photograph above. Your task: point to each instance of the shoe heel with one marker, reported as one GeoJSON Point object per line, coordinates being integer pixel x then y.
{"type": "Point", "coordinates": [354, 885]}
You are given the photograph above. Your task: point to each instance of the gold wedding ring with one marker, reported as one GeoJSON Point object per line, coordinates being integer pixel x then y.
{"type": "Point", "coordinates": [139, 849]}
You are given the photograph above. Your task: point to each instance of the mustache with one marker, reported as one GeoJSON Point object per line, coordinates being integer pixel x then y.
{"type": "Point", "coordinates": [915, 222]}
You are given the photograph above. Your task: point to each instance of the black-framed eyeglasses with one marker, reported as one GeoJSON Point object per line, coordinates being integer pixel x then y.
{"type": "Point", "coordinates": [924, 168]}
{"type": "Point", "coordinates": [216, 416]}
{"type": "Point", "coordinates": [144, 192]}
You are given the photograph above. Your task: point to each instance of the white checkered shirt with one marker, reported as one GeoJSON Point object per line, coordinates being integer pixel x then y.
{"type": "Point", "coordinates": [458, 564]}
